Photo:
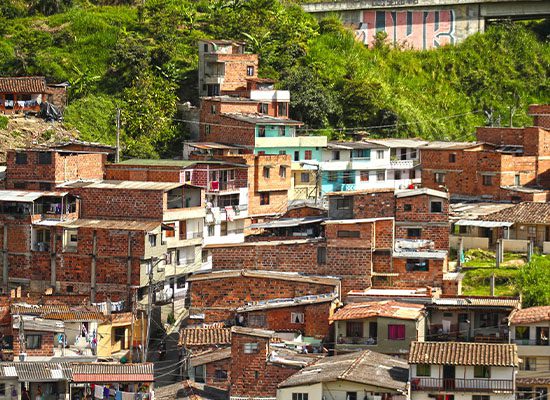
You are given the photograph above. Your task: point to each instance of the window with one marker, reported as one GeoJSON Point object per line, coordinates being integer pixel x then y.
{"type": "Point", "coordinates": [415, 264]}
{"type": "Point", "coordinates": [364, 176]}
{"type": "Point", "coordinates": [198, 371]}
{"type": "Point", "coordinates": [529, 364]}
{"type": "Point", "coordinates": [332, 176]}
{"type": "Point", "coordinates": [250, 70]}
{"type": "Point", "coordinates": [33, 342]}
{"type": "Point", "coordinates": [480, 397]}
{"type": "Point", "coordinates": [517, 180]}
{"type": "Point", "coordinates": [153, 240]}
{"type": "Point", "coordinates": [439, 177]}
{"type": "Point", "coordinates": [482, 371]}
{"type": "Point", "coordinates": [308, 155]}
{"type": "Point", "coordinates": [407, 207]}
{"type": "Point", "coordinates": [436, 206]}
{"type": "Point", "coordinates": [351, 395]}
{"type": "Point", "coordinates": [204, 256]}
{"type": "Point", "coordinates": [381, 175]}
{"type": "Point", "coordinates": [207, 129]}
{"type": "Point", "coordinates": [44, 158]}
{"type": "Point", "coordinates": [170, 233]}
{"type": "Point", "coordinates": [205, 48]}
{"type": "Point", "coordinates": [282, 152]}
{"type": "Point", "coordinates": [296, 155]}
{"type": "Point", "coordinates": [297, 318]}
{"type": "Point", "coordinates": [266, 172]}
{"type": "Point", "coordinates": [256, 320]}
{"type": "Point", "coordinates": [211, 230]}
{"type": "Point", "coordinates": [220, 375]}
{"type": "Point", "coordinates": [282, 172]}
{"type": "Point", "coordinates": [261, 131]}
{"type": "Point", "coordinates": [336, 155]}
{"type": "Point", "coordinates": [3, 389]}
{"type": "Point", "coordinates": [396, 332]}
{"type": "Point", "coordinates": [45, 186]}
{"type": "Point", "coordinates": [20, 158]}
{"type": "Point", "coordinates": [304, 177]}
{"type": "Point", "coordinates": [397, 175]}
{"type": "Point", "coordinates": [70, 289]}
{"type": "Point", "coordinates": [321, 255]}
{"type": "Point", "coordinates": [413, 154]}
{"type": "Point", "coordinates": [20, 185]}
{"type": "Point", "coordinates": [423, 370]}
{"type": "Point", "coordinates": [282, 109]}
{"type": "Point", "coordinates": [213, 109]}
{"type": "Point", "coordinates": [452, 158]}
{"type": "Point", "coordinates": [348, 234]}
{"type": "Point", "coordinates": [180, 282]}
{"type": "Point", "coordinates": [71, 238]}
{"type": "Point", "coordinates": [354, 329]}
{"type": "Point", "coordinates": [264, 199]}
{"type": "Point", "coordinates": [380, 154]}
{"type": "Point", "coordinates": [414, 232]}
{"type": "Point", "coordinates": [264, 108]}
{"type": "Point", "coordinates": [487, 180]}
{"type": "Point", "coordinates": [250, 348]}
{"type": "Point", "coordinates": [281, 130]}
{"type": "Point", "coordinates": [343, 203]}
{"type": "Point", "coordinates": [223, 228]}
{"type": "Point", "coordinates": [300, 396]}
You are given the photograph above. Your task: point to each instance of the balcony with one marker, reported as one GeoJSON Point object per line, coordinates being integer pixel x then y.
{"type": "Point", "coordinates": [527, 342]}
{"type": "Point", "coordinates": [270, 95]}
{"type": "Point", "coordinates": [346, 187]}
{"type": "Point", "coordinates": [462, 385]}
{"type": "Point", "coordinates": [403, 164]}
{"type": "Point", "coordinates": [222, 186]}
{"type": "Point", "coordinates": [343, 340]}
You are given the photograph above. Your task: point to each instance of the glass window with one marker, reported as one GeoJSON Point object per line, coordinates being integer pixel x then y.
{"type": "Point", "coordinates": [33, 342]}
{"type": "Point", "coordinates": [220, 375]}
{"type": "Point", "coordinates": [207, 129]}
{"type": "Point", "coordinates": [282, 152]}
{"type": "Point", "coordinates": [20, 158]}
{"type": "Point", "coordinates": [414, 232]}
{"type": "Point", "coordinates": [264, 199]}
{"type": "Point", "coordinates": [343, 204]}
{"type": "Point", "coordinates": [351, 395]}
{"type": "Point", "coordinates": [354, 329]}
{"type": "Point", "coordinates": [439, 177]}
{"type": "Point", "coordinates": [423, 370]}
{"type": "Point", "coordinates": [261, 131]}
{"type": "Point", "coordinates": [152, 240]}
{"type": "Point", "coordinates": [348, 234]}
{"type": "Point", "coordinates": [332, 176]}
{"type": "Point", "coordinates": [281, 130]}
{"type": "Point", "coordinates": [211, 230]}
{"type": "Point", "coordinates": [452, 158]}
{"type": "Point", "coordinates": [300, 396]}
{"type": "Point", "coordinates": [397, 175]}
{"type": "Point", "coordinates": [213, 109]}
{"type": "Point", "coordinates": [304, 177]}
{"type": "Point", "coordinates": [170, 233]}
{"type": "Point", "coordinates": [396, 332]}
{"type": "Point", "coordinates": [250, 348]}
{"type": "Point", "coordinates": [282, 109]}
{"type": "Point", "coordinates": [250, 70]}
{"type": "Point", "coordinates": [256, 320]}
{"type": "Point", "coordinates": [379, 154]}
{"type": "Point", "coordinates": [415, 264]}
{"type": "Point", "coordinates": [266, 172]}
{"type": "Point", "coordinates": [436, 206]}
{"type": "Point", "coordinates": [264, 108]}
{"type": "Point", "coordinates": [282, 172]}
{"type": "Point", "coordinates": [297, 318]}
{"type": "Point", "coordinates": [517, 180]}
{"type": "Point", "coordinates": [364, 176]}
{"type": "Point", "coordinates": [487, 180]}
{"type": "Point", "coordinates": [44, 157]}
{"type": "Point", "coordinates": [296, 155]}
{"type": "Point", "coordinates": [336, 155]}
{"type": "Point", "coordinates": [308, 154]}
{"type": "Point", "coordinates": [321, 255]}
{"type": "Point", "coordinates": [381, 175]}
{"type": "Point", "coordinates": [482, 371]}
{"type": "Point", "coordinates": [522, 333]}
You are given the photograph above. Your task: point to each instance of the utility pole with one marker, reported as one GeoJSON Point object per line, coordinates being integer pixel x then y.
{"type": "Point", "coordinates": [149, 308]}
{"type": "Point", "coordinates": [117, 154]}
{"type": "Point", "coordinates": [22, 342]}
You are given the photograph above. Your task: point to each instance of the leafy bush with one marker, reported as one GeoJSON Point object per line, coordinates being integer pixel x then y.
{"type": "Point", "coordinates": [3, 122]}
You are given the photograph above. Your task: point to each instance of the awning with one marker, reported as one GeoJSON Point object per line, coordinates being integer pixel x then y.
{"type": "Point", "coordinates": [484, 224]}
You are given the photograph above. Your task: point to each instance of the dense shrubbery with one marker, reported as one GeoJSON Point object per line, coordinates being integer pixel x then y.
{"type": "Point", "coordinates": [141, 59]}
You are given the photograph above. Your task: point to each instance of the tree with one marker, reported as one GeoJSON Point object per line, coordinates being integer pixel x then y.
{"type": "Point", "coordinates": [534, 282]}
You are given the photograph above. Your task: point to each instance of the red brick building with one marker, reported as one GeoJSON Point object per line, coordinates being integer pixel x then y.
{"type": "Point", "coordinates": [44, 168]}
{"type": "Point", "coordinates": [506, 164]}
{"type": "Point", "coordinates": [221, 295]}
{"type": "Point", "coordinates": [27, 93]}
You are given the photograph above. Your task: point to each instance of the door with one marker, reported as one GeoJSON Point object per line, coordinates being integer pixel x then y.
{"type": "Point", "coordinates": [448, 377]}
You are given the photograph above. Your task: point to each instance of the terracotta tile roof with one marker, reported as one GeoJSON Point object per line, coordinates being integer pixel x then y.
{"type": "Point", "coordinates": [211, 336]}
{"type": "Point", "coordinates": [531, 315]}
{"type": "Point", "coordinates": [459, 353]}
{"type": "Point", "coordinates": [75, 316]}
{"type": "Point", "coordinates": [366, 367]}
{"type": "Point", "coordinates": [522, 213]}
{"type": "Point", "coordinates": [59, 312]}
{"type": "Point", "coordinates": [38, 310]}
{"type": "Point", "coordinates": [112, 372]}
{"type": "Point", "coordinates": [386, 308]}
{"type": "Point", "coordinates": [26, 84]}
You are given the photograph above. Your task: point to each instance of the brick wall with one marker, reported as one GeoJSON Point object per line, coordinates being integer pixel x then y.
{"type": "Point", "coordinates": [46, 349]}
{"type": "Point", "coordinates": [218, 298]}
{"type": "Point", "coordinates": [120, 172]}
{"type": "Point", "coordinates": [211, 368]}
{"type": "Point", "coordinates": [408, 279]}
{"type": "Point", "coordinates": [64, 167]}
{"type": "Point", "coordinates": [420, 209]}
{"type": "Point", "coordinates": [251, 374]}
{"type": "Point", "coordinates": [541, 114]}
{"type": "Point", "coordinates": [374, 204]}
{"type": "Point", "coordinates": [224, 129]}
{"type": "Point", "coordinates": [121, 204]}
{"type": "Point", "coordinates": [235, 70]}
{"type": "Point", "coordinates": [57, 96]}
{"type": "Point", "coordinates": [305, 211]}
{"type": "Point", "coordinates": [279, 319]}
{"type": "Point", "coordinates": [500, 135]}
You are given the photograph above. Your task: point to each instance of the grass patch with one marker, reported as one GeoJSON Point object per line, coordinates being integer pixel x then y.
{"type": "Point", "coordinates": [477, 282]}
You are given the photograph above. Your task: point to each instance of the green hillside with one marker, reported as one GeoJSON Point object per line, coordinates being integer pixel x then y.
{"type": "Point", "coordinates": [143, 59]}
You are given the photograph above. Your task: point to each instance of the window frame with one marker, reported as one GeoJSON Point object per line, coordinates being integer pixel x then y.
{"type": "Point", "coordinates": [400, 335]}
{"type": "Point", "coordinates": [21, 158]}
{"type": "Point", "coordinates": [423, 370]}
{"type": "Point", "coordinates": [251, 348]}
{"type": "Point", "coordinates": [297, 316]}
{"type": "Point", "coordinates": [482, 371]}
{"type": "Point", "coordinates": [439, 177]}
{"type": "Point", "coordinates": [487, 180]}
{"type": "Point", "coordinates": [250, 70]}
{"type": "Point", "coordinates": [340, 203]}
{"type": "Point", "coordinates": [33, 346]}
{"type": "Point", "coordinates": [264, 199]}
{"type": "Point", "coordinates": [44, 158]}
{"type": "Point", "coordinates": [432, 203]}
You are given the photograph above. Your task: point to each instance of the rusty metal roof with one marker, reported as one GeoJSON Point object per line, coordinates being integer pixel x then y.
{"type": "Point", "coordinates": [23, 84]}
{"type": "Point", "coordinates": [462, 353]}
{"type": "Point", "coordinates": [126, 225]}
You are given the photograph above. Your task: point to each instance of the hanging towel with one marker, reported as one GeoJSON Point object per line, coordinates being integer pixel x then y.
{"type": "Point", "coordinates": [118, 395]}
{"type": "Point", "coordinates": [98, 392]}
{"type": "Point", "coordinates": [106, 393]}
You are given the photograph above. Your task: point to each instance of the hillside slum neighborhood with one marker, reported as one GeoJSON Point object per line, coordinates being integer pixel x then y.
{"type": "Point", "coordinates": [268, 263]}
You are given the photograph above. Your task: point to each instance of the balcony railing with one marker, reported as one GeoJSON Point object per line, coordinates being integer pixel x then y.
{"type": "Point", "coordinates": [528, 342]}
{"type": "Point", "coordinates": [220, 186]}
{"type": "Point", "coordinates": [357, 340]}
{"type": "Point", "coordinates": [462, 385]}
{"type": "Point", "coordinates": [347, 187]}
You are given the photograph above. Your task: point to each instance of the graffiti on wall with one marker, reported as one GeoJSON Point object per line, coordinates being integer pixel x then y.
{"type": "Point", "coordinates": [416, 29]}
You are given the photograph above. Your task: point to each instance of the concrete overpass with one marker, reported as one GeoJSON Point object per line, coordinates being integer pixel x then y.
{"type": "Point", "coordinates": [424, 24]}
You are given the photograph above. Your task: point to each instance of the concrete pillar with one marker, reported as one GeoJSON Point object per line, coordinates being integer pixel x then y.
{"type": "Point", "coordinates": [53, 272]}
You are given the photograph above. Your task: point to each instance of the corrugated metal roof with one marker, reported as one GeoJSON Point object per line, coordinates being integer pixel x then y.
{"type": "Point", "coordinates": [211, 356]}
{"type": "Point", "coordinates": [461, 353]}
{"type": "Point", "coordinates": [421, 191]}
{"type": "Point", "coordinates": [126, 185]}
{"type": "Point", "coordinates": [396, 142]}
{"type": "Point", "coordinates": [24, 196]}
{"type": "Point", "coordinates": [286, 223]}
{"type": "Point", "coordinates": [262, 119]}
{"type": "Point", "coordinates": [111, 372]}
{"type": "Point", "coordinates": [36, 371]}
{"type": "Point", "coordinates": [290, 302]}
{"type": "Point", "coordinates": [483, 224]}
{"type": "Point", "coordinates": [478, 301]}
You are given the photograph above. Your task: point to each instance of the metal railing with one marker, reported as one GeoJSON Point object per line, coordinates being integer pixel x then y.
{"type": "Point", "coordinates": [532, 342]}
{"type": "Point", "coordinates": [357, 340]}
{"type": "Point", "coordinates": [462, 385]}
